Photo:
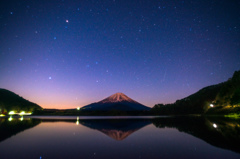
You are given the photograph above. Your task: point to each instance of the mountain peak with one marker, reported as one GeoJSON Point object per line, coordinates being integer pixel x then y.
{"type": "Point", "coordinates": [117, 101]}
{"type": "Point", "coordinates": [117, 97]}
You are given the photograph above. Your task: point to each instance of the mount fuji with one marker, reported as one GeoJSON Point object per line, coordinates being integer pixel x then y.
{"type": "Point", "coordinates": [118, 101]}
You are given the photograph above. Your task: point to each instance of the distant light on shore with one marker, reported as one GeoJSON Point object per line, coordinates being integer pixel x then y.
{"type": "Point", "coordinates": [11, 113]}
{"type": "Point", "coordinates": [214, 125]}
{"type": "Point", "coordinates": [22, 113]}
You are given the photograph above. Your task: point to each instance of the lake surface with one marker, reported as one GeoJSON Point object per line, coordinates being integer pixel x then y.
{"type": "Point", "coordinates": [118, 137]}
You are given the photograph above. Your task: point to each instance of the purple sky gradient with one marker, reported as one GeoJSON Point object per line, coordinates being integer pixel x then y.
{"type": "Point", "coordinates": [65, 54]}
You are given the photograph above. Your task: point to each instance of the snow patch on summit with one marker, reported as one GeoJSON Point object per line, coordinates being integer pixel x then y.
{"type": "Point", "coordinates": [117, 97]}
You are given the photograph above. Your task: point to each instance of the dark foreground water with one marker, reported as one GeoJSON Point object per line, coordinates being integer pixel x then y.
{"type": "Point", "coordinates": [91, 137]}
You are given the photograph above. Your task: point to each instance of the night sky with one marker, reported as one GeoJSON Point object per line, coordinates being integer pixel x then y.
{"type": "Point", "coordinates": [69, 53]}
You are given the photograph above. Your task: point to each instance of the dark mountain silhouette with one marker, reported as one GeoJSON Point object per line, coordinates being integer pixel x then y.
{"type": "Point", "coordinates": [118, 101]}
{"type": "Point", "coordinates": [10, 101]}
{"type": "Point", "coordinates": [118, 129]}
{"type": "Point", "coordinates": [223, 98]}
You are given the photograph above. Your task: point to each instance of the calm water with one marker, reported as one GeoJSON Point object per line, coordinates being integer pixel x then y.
{"type": "Point", "coordinates": [93, 137]}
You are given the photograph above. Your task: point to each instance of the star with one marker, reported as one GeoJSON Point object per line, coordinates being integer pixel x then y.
{"type": "Point", "coordinates": [156, 43]}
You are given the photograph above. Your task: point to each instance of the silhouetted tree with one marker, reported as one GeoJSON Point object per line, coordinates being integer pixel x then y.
{"type": "Point", "coordinates": [235, 100]}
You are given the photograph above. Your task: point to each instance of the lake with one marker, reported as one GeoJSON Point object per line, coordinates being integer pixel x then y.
{"type": "Point", "coordinates": [118, 137]}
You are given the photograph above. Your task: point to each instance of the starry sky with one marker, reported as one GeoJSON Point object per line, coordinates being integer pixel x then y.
{"type": "Point", "coordinates": [69, 53]}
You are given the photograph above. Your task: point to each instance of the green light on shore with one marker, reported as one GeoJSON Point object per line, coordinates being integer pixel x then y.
{"type": "Point", "coordinates": [78, 108]}
{"type": "Point", "coordinates": [11, 113]}
{"type": "Point", "coordinates": [22, 113]}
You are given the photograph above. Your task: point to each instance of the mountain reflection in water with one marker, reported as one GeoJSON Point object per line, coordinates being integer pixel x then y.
{"type": "Point", "coordinates": [219, 132]}
{"type": "Point", "coordinates": [118, 129]}
{"type": "Point", "coordinates": [12, 126]}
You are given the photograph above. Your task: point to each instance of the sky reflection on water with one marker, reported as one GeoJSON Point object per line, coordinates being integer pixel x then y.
{"type": "Point", "coordinates": [115, 138]}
